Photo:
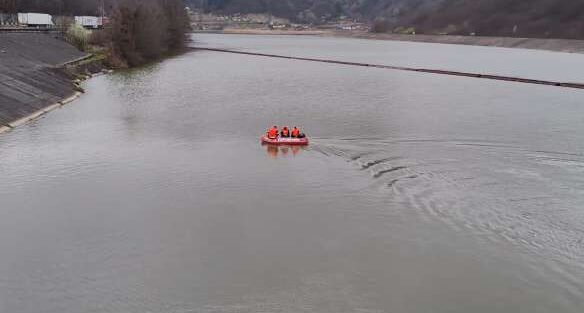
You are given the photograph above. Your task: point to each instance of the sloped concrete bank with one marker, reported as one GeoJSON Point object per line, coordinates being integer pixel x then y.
{"type": "Point", "coordinates": [35, 76]}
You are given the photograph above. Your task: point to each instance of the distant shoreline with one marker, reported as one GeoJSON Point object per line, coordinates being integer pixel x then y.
{"type": "Point", "coordinates": [250, 31]}
{"type": "Point", "coordinates": [557, 45]}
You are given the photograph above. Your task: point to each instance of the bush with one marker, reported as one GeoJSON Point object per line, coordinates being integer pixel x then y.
{"type": "Point", "coordinates": [380, 26]}
{"type": "Point", "coordinates": [100, 37]}
{"type": "Point", "coordinates": [78, 36]}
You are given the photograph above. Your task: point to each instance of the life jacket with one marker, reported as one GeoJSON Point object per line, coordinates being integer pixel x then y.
{"type": "Point", "coordinates": [273, 133]}
{"type": "Point", "coordinates": [295, 132]}
{"type": "Point", "coordinates": [285, 132]}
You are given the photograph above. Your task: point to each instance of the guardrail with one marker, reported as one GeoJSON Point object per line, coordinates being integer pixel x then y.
{"type": "Point", "coordinates": [31, 29]}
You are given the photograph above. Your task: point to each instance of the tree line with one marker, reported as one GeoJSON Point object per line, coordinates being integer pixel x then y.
{"type": "Point", "coordinates": [56, 7]}
{"type": "Point", "coordinates": [144, 30]}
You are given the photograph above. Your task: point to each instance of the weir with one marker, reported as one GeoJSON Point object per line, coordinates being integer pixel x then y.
{"type": "Point", "coordinates": [412, 69]}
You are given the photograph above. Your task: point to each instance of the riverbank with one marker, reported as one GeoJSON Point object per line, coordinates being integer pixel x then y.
{"type": "Point", "coordinates": [39, 73]}
{"type": "Point", "coordinates": [244, 31]}
{"type": "Point", "coordinates": [558, 45]}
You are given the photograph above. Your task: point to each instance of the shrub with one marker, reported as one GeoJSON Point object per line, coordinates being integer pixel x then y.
{"type": "Point", "coordinates": [78, 36]}
{"type": "Point", "coordinates": [100, 37]}
{"type": "Point", "coordinates": [380, 26]}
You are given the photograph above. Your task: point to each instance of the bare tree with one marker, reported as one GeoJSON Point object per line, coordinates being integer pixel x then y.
{"type": "Point", "coordinates": [145, 30]}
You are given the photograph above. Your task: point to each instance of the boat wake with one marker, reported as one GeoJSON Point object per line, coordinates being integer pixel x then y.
{"type": "Point", "coordinates": [498, 191]}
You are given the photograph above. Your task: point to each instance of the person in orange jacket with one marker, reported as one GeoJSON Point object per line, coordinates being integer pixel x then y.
{"type": "Point", "coordinates": [285, 132]}
{"type": "Point", "coordinates": [295, 132]}
{"type": "Point", "coordinates": [273, 132]}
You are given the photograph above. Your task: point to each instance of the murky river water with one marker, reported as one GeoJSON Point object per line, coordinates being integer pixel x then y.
{"type": "Point", "coordinates": [420, 193]}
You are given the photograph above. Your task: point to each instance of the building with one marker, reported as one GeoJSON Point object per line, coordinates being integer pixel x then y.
{"type": "Point", "coordinates": [35, 20]}
{"type": "Point", "coordinates": [92, 22]}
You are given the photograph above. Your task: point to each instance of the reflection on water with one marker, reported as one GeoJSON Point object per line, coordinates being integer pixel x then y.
{"type": "Point", "coordinates": [275, 151]}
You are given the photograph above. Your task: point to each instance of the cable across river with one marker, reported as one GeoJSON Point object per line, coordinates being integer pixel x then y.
{"type": "Point", "coordinates": [411, 69]}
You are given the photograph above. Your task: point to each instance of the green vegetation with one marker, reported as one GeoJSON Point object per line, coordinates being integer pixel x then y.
{"type": "Point", "coordinates": [78, 36]}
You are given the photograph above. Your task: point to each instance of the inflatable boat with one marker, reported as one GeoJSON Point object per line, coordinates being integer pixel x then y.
{"type": "Point", "coordinates": [285, 141]}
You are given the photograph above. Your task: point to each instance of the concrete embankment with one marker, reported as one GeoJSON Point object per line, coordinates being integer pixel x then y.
{"type": "Point", "coordinates": [32, 76]}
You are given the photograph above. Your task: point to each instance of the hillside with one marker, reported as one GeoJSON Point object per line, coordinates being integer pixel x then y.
{"type": "Point", "coordinates": [536, 18]}
{"type": "Point", "coordinates": [57, 7]}
{"type": "Point", "coordinates": [519, 18]}
{"type": "Point", "coordinates": [312, 10]}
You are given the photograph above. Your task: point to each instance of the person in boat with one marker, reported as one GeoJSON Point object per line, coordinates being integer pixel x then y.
{"type": "Point", "coordinates": [285, 132]}
{"type": "Point", "coordinates": [273, 132]}
{"type": "Point", "coordinates": [296, 133]}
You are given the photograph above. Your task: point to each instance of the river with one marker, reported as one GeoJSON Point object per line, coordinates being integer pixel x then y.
{"type": "Point", "coordinates": [419, 192]}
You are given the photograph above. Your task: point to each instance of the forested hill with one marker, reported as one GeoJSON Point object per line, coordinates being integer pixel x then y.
{"type": "Point", "coordinates": [520, 18]}
{"type": "Point", "coordinates": [533, 18]}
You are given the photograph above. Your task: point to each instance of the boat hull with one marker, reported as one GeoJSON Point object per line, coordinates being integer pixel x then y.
{"type": "Point", "coordinates": [285, 141]}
